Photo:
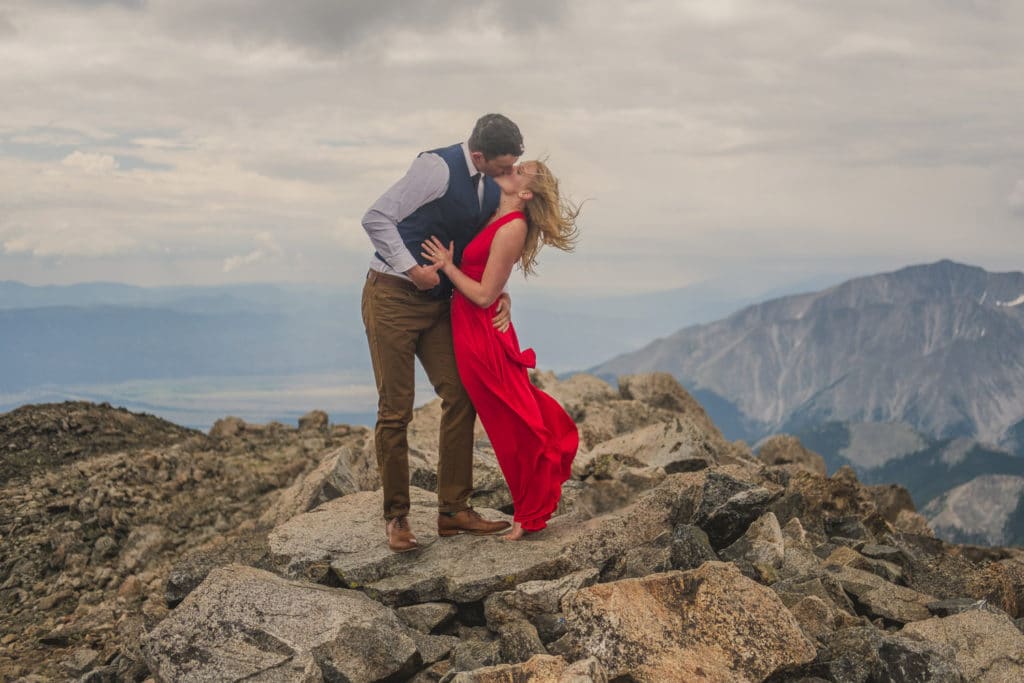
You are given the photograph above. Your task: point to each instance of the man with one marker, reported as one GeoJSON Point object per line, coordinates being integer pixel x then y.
{"type": "Point", "coordinates": [447, 192]}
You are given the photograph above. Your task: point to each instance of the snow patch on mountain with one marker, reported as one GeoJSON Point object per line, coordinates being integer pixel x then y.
{"type": "Point", "coordinates": [956, 451]}
{"type": "Point", "coordinates": [873, 444]}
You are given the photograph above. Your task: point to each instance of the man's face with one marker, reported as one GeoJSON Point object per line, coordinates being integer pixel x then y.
{"type": "Point", "coordinates": [498, 166]}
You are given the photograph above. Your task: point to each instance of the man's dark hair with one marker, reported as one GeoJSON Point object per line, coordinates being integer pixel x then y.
{"type": "Point", "coordinates": [495, 135]}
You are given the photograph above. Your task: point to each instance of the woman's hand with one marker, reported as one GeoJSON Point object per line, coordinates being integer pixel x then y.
{"type": "Point", "coordinates": [436, 252]}
{"type": "Point", "coordinates": [503, 313]}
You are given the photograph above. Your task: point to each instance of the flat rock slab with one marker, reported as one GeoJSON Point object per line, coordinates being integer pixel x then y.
{"type": "Point", "coordinates": [988, 647]}
{"type": "Point", "coordinates": [348, 535]}
{"type": "Point", "coordinates": [660, 445]}
{"type": "Point", "coordinates": [243, 623]}
{"type": "Point", "coordinates": [428, 616]}
{"type": "Point", "coordinates": [865, 654]}
{"type": "Point", "coordinates": [537, 668]}
{"type": "Point", "coordinates": [879, 598]}
{"type": "Point", "coordinates": [345, 536]}
{"type": "Point", "coordinates": [709, 624]}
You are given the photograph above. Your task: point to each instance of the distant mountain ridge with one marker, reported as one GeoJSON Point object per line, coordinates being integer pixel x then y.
{"type": "Point", "coordinates": [939, 347]}
{"type": "Point", "coordinates": [125, 332]}
{"type": "Point", "coordinates": [273, 351]}
{"type": "Point", "coordinates": [982, 511]}
{"type": "Point", "coordinates": [256, 297]}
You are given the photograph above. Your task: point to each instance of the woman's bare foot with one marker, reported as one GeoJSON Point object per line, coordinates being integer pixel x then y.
{"type": "Point", "coordinates": [516, 533]}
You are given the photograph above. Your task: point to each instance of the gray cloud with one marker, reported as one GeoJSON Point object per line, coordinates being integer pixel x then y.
{"type": "Point", "coordinates": [1016, 198]}
{"type": "Point", "coordinates": [333, 26]}
{"type": "Point", "coordinates": [80, 4]}
{"type": "Point", "coordinates": [7, 28]}
{"type": "Point", "coordinates": [714, 136]}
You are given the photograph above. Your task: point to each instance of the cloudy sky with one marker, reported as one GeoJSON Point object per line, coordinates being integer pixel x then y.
{"type": "Point", "coordinates": [216, 141]}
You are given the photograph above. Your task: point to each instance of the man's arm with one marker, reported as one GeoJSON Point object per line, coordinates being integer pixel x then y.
{"type": "Point", "coordinates": [425, 181]}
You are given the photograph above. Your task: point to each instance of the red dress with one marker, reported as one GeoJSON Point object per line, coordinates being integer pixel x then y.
{"type": "Point", "coordinates": [533, 438]}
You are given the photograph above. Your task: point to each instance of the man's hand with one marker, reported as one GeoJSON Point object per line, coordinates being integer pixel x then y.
{"type": "Point", "coordinates": [424, 277]}
{"type": "Point", "coordinates": [503, 313]}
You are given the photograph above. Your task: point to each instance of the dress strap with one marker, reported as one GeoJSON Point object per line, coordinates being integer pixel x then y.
{"type": "Point", "coordinates": [507, 218]}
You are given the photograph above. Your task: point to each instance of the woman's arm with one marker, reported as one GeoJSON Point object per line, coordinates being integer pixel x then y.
{"type": "Point", "coordinates": [506, 249]}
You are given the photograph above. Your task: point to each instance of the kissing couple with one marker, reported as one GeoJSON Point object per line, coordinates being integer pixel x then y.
{"type": "Point", "coordinates": [446, 237]}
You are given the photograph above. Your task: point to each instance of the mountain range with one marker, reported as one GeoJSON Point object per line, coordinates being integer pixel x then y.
{"type": "Point", "coordinates": [939, 347]}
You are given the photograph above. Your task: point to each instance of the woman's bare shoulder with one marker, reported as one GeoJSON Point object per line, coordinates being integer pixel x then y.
{"type": "Point", "coordinates": [515, 227]}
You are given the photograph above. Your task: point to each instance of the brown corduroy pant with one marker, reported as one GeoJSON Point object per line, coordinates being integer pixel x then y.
{"type": "Point", "coordinates": [403, 324]}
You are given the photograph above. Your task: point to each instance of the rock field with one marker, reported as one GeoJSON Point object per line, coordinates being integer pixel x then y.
{"type": "Point", "coordinates": [135, 550]}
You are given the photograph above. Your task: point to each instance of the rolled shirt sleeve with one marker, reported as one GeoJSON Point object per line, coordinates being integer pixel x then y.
{"type": "Point", "coordinates": [425, 181]}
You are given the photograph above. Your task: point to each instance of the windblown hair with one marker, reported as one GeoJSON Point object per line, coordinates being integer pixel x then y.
{"type": "Point", "coordinates": [550, 218]}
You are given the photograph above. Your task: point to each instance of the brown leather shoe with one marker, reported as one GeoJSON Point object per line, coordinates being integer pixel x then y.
{"type": "Point", "coordinates": [400, 537]}
{"type": "Point", "coordinates": [467, 521]}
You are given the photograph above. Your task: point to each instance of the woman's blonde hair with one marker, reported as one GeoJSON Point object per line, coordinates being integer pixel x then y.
{"type": "Point", "coordinates": [550, 219]}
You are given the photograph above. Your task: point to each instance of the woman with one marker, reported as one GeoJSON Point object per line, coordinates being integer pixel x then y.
{"type": "Point", "coordinates": [534, 439]}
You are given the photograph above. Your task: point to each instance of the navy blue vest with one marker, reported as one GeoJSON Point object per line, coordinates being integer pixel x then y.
{"type": "Point", "coordinates": [455, 217]}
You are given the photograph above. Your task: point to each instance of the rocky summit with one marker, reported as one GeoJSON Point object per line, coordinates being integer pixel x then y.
{"type": "Point", "coordinates": [257, 552]}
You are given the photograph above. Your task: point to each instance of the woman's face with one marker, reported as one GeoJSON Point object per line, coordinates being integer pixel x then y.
{"type": "Point", "coordinates": [520, 178]}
